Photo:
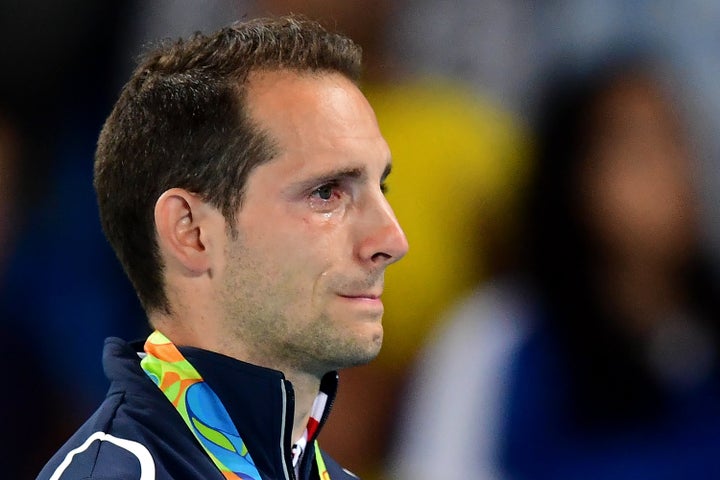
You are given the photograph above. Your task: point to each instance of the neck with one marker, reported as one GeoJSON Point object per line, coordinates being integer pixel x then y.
{"type": "Point", "coordinates": [305, 385]}
{"type": "Point", "coordinates": [181, 330]}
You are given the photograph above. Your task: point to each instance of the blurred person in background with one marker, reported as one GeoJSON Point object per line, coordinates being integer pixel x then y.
{"type": "Point", "coordinates": [596, 355]}
{"type": "Point", "coordinates": [503, 48]}
{"type": "Point", "coordinates": [61, 289]}
{"type": "Point", "coordinates": [61, 278]}
{"type": "Point", "coordinates": [458, 159]}
{"type": "Point", "coordinates": [23, 413]}
{"type": "Point", "coordinates": [34, 412]}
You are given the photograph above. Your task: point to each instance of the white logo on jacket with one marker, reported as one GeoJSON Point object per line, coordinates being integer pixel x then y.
{"type": "Point", "coordinates": [147, 465]}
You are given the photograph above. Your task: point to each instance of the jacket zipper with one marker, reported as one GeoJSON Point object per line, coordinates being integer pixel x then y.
{"type": "Point", "coordinates": [289, 472]}
{"type": "Point", "coordinates": [328, 407]}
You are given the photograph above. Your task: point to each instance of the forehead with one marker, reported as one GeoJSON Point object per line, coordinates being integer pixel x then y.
{"type": "Point", "coordinates": [318, 113]}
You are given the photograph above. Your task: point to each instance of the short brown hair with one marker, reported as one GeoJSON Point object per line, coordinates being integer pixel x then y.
{"type": "Point", "coordinates": [181, 121]}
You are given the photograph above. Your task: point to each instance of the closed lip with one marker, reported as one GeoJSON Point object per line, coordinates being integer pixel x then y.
{"type": "Point", "coordinates": [369, 296]}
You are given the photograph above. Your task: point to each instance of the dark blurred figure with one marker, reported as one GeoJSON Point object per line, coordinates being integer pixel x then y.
{"type": "Point", "coordinates": [59, 89]}
{"type": "Point", "coordinates": [32, 415]}
{"type": "Point", "coordinates": [598, 357]}
{"type": "Point", "coordinates": [61, 289]}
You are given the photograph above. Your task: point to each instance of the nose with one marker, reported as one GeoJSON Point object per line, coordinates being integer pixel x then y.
{"type": "Point", "coordinates": [382, 240]}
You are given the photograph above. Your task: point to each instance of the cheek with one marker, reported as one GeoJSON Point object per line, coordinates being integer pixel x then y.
{"type": "Point", "coordinates": [297, 249]}
{"type": "Point", "coordinates": [321, 237]}
{"type": "Point", "coordinates": [300, 256]}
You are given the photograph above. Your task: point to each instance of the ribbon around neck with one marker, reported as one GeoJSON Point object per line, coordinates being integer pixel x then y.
{"type": "Point", "coordinates": [203, 412]}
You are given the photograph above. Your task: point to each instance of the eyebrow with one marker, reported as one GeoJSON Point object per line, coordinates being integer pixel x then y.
{"type": "Point", "coordinates": [340, 174]}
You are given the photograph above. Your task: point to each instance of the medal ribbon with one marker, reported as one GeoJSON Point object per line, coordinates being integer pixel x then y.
{"type": "Point", "coordinates": [201, 409]}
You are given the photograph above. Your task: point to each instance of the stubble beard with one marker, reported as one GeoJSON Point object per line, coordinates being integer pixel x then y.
{"type": "Point", "coordinates": [275, 336]}
{"type": "Point", "coordinates": [326, 346]}
{"type": "Point", "coordinates": [275, 341]}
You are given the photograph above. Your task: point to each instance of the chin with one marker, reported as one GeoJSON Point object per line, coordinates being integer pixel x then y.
{"type": "Point", "coordinates": [374, 338]}
{"type": "Point", "coordinates": [358, 351]}
{"type": "Point", "coordinates": [371, 350]}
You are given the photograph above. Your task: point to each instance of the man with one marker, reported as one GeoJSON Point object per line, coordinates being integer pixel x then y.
{"type": "Point", "coordinates": [240, 180]}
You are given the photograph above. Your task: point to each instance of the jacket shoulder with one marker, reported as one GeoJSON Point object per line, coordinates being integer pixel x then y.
{"type": "Point", "coordinates": [95, 451]}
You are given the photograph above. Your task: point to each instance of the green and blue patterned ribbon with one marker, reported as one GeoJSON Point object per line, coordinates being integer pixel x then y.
{"type": "Point", "coordinates": [199, 406]}
{"type": "Point", "coordinates": [201, 409]}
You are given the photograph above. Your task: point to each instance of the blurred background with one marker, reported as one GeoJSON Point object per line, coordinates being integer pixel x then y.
{"type": "Point", "coordinates": [557, 173]}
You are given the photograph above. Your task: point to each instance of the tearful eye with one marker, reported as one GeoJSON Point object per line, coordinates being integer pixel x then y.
{"type": "Point", "coordinates": [328, 196]}
{"type": "Point", "coordinates": [325, 192]}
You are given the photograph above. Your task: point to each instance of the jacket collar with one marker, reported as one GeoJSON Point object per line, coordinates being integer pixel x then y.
{"type": "Point", "coordinates": [260, 401]}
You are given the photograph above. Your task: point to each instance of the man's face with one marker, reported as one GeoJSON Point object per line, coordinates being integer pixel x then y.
{"type": "Point", "coordinates": [303, 280]}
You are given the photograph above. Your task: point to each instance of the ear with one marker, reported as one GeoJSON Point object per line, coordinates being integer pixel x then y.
{"type": "Point", "coordinates": [186, 228]}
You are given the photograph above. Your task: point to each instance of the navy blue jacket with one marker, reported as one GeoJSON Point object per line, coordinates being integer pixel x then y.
{"type": "Point", "coordinates": [137, 430]}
